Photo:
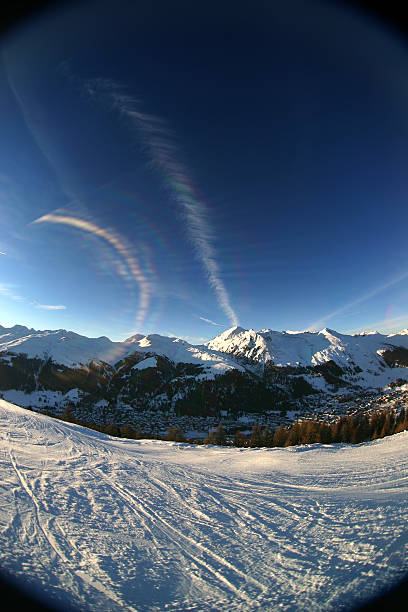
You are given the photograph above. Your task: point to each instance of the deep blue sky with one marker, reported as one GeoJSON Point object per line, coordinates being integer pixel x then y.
{"type": "Point", "coordinates": [192, 163]}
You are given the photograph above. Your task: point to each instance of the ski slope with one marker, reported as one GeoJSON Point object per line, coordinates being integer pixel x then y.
{"type": "Point", "coordinates": [99, 523]}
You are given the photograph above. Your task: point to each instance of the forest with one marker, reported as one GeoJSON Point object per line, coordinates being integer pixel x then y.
{"type": "Point", "coordinates": [350, 429]}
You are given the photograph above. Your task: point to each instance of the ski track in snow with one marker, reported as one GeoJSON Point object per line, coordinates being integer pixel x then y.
{"type": "Point", "coordinates": [99, 523]}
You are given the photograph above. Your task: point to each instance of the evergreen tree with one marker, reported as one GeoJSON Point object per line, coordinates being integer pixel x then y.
{"type": "Point", "coordinates": [112, 429]}
{"type": "Point", "coordinates": [138, 433]}
{"type": "Point", "coordinates": [294, 437]}
{"type": "Point", "coordinates": [179, 436]}
{"type": "Point", "coordinates": [280, 436]}
{"type": "Point", "coordinates": [67, 414]}
{"type": "Point", "coordinates": [364, 428]}
{"type": "Point", "coordinates": [255, 441]}
{"type": "Point", "coordinates": [171, 434]}
{"type": "Point", "coordinates": [220, 438]}
{"type": "Point", "coordinates": [336, 430]}
{"type": "Point", "coordinates": [127, 431]}
{"type": "Point", "coordinates": [239, 439]}
{"type": "Point", "coordinates": [344, 430]}
{"type": "Point", "coordinates": [309, 432]}
{"type": "Point", "coordinates": [267, 437]}
{"type": "Point", "coordinates": [325, 433]}
{"type": "Point", "coordinates": [216, 437]}
{"type": "Point", "coordinates": [357, 434]}
{"type": "Point", "coordinates": [401, 421]}
{"type": "Point", "coordinates": [387, 428]}
{"type": "Point", "coordinates": [376, 424]}
{"type": "Point", "coordinates": [210, 439]}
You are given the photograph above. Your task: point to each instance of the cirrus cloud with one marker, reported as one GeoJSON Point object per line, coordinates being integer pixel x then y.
{"type": "Point", "coordinates": [50, 306]}
{"type": "Point", "coordinates": [8, 292]}
{"type": "Point", "coordinates": [164, 156]}
{"type": "Point", "coordinates": [212, 322]}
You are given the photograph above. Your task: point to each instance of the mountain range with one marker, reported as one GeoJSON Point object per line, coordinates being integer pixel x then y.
{"type": "Point", "coordinates": [238, 367]}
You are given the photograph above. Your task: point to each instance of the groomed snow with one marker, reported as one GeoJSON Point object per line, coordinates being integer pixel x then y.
{"type": "Point", "coordinates": [100, 523]}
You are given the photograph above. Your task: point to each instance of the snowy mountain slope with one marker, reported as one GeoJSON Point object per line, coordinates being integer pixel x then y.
{"type": "Point", "coordinates": [279, 348]}
{"type": "Point", "coordinates": [68, 348]}
{"type": "Point", "coordinates": [64, 347]}
{"type": "Point", "coordinates": [307, 348]}
{"type": "Point", "coordinates": [180, 351]}
{"type": "Point", "coordinates": [99, 523]}
{"type": "Point", "coordinates": [237, 369]}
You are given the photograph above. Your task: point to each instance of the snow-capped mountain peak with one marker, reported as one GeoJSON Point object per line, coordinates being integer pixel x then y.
{"type": "Point", "coordinates": [235, 348]}
{"type": "Point", "coordinates": [404, 332]}
{"type": "Point", "coordinates": [229, 333]}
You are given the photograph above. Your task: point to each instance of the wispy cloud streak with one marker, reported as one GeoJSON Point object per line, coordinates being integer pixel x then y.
{"type": "Point", "coordinates": [386, 326]}
{"type": "Point", "coordinates": [118, 243]}
{"type": "Point", "coordinates": [8, 292]}
{"type": "Point", "coordinates": [212, 322]}
{"type": "Point", "coordinates": [50, 306]}
{"type": "Point", "coordinates": [163, 154]}
{"type": "Point", "coordinates": [317, 325]}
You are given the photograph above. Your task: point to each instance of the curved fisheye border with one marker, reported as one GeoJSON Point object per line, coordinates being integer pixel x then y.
{"type": "Point", "coordinates": [391, 14]}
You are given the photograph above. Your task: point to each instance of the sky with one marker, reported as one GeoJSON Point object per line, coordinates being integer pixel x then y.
{"type": "Point", "coordinates": [181, 168]}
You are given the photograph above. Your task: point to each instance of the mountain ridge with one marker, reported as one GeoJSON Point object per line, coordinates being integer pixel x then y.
{"type": "Point", "coordinates": [238, 370]}
{"type": "Point", "coordinates": [285, 348]}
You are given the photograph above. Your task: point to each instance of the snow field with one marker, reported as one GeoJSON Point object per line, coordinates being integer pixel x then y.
{"type": "Point", "coordinates": [99, 523]}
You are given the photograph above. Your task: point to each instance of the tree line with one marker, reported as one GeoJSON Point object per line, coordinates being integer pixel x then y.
{"type": "Point", "coordinates": [351, 429]}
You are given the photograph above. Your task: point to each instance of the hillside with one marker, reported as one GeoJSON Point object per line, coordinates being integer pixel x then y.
{"type": "Point", "coordinates": [240, 371]}
{"type": "Point", "coordinates": [93, 522]}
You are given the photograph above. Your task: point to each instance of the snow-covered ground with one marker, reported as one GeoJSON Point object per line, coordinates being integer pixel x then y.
{"type": "Point", "coordinates": [100, 523]}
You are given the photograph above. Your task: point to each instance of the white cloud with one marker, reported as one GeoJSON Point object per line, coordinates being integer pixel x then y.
{"type": "Point", "coordinates": [8, 292]}
{"type": "Point", "coordinates": [50, 306]}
